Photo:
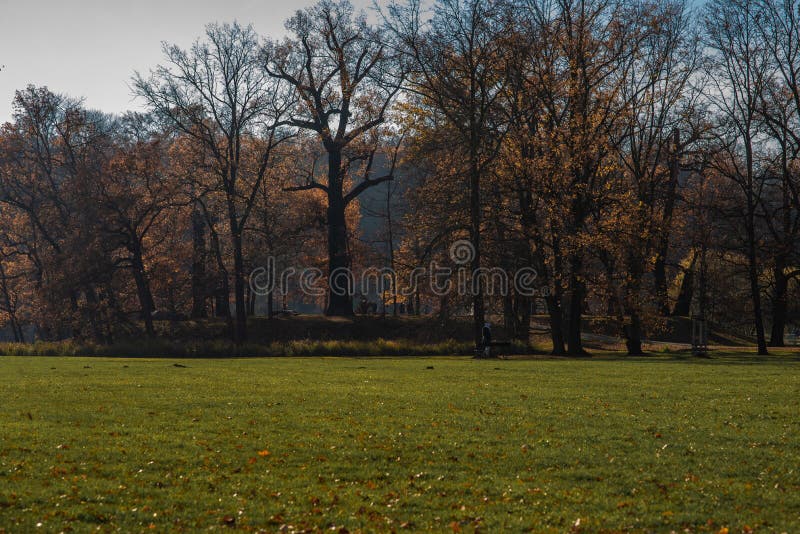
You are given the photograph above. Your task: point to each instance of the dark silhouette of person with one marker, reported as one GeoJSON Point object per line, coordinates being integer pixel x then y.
{"type": "Point", "coordinates": [487, 339]}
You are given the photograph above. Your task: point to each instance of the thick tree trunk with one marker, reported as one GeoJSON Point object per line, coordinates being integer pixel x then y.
{"type": "Point", "coordinates": [340, 299]}
{"type": "Point", "coordinates": [576, 287]}
{"type": "Point", "coordinates": [779, 304]}
{"type": "Point", "coordinates": [633, 334]}
{"type": "Point", "coordinates": [143, 289]}
{"type": "Point", "coordinates": [633, 327]}
{"type": "Point", "coordinates": [556, 324]}
{"type": "Point", "coordinates": [683, 304]}
{"type": "Point", "coordinates": [340, 302]}
{"type": "Point", "coordinates": [660, 277]}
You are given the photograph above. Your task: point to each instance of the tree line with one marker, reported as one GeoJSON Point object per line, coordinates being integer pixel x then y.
{"type": "Point", "coordinates": [642, 157]}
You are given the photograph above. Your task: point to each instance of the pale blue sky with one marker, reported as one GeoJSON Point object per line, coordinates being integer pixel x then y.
{"type": "Point", "coordinates": [90, 48]}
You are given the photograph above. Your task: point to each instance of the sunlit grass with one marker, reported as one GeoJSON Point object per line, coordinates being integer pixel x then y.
{"type": "Point", "coordinates": [417, 443]}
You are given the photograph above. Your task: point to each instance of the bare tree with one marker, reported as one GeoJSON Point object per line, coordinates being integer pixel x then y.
{"type": "Point", "coordinates": [779, 26]}
{"type": "Point", "coordinates": [739, 73]}
{"type": "Point", "coordinates": [344, 79]}
{"type": "Point", "coordinates": [217, 94]}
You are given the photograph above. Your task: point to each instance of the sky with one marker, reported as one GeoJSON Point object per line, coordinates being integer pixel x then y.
{"type": "Point", "coordinates": [90, 48]}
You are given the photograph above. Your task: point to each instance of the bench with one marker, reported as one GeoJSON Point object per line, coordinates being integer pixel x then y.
{"type": "Point", "coordinates": [479, 352]}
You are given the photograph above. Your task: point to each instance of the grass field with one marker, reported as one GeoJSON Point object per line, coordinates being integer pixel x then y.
{"type": "Point", "coordinates": [341, 444]}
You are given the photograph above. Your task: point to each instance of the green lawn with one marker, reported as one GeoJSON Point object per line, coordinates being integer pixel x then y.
{"type": "Point", "coordinates": [392, 444]}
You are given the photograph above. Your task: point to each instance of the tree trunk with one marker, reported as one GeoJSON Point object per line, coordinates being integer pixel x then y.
{"type": "Point", "coordinates": [19, 335]}
{"type": "Point", "coordinates": [240, 332]}
{"type": "Point", "coordinates": [16, 329]}
{"type": "Point", "coordinates": [198, 265]}
{"type": "Point", "coordinates": [633, 328]}
{"type": "Point", "coordinates": [143, 289]}
{"type": "Point", "coordinates": [478, 312]}
{"type": "Point", "coordinates": [683, 304]}
{"type": "Point", "coordinates": [390, 244]}
{"type": "Point", "coordinates": [660, 277]}
{"type": "Point", "coordinates": [444, 309]}
{"type": "Point", "coordinates": [523, 318]}
{"type": "Point", "coordinates": [574, 342]}
{"type": "Point", "coordinates": [91, 312]}
{"type": "Point", "coordinates": [779, 303]}
{"type": "Point", "coordinates": [251, 301]}
{"type": "Point", "coordinates": [660, 267]}
{"type": "Point", "coordinates": [755, 289]}
{"type": "Point", "coordinates": [222, 295]}
{"type": "Point", "coordinates": [633, 334]}
{"type": "Point", "coordinates": [752, 257]}
{"type": "Point", "coordinates": [556, 323]}
{"type": "Point", "coordinates": [509, 314]}
{"type": "Point", "coordinates": [340, 299]}
{"type": "Point", "coordinates": [222, 306]}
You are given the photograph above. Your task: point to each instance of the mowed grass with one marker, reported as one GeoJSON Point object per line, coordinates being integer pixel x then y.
{"type": "Point", "coordinates": [391, 444]}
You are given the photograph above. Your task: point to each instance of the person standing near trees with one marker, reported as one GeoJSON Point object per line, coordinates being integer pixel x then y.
{"type": "Point", "coordinates": [486, 341]}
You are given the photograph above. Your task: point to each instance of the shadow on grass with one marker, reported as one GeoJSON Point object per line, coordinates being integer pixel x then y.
{"type": "Point", "coordinates": [381, 348]}
{"type": "Point", "coordinates": [720, 357]}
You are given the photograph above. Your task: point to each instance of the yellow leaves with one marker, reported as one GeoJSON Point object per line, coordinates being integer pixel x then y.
{"type": "Point", "coordinates": [263, 453]}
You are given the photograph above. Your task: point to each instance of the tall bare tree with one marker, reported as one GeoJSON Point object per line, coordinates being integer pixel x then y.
{"type": "Point", "coordinates": [344, 79]}
{"type": "Point", "coordinates": [779, 25]}
{"type": "Point", "coordinates": [739, 73]}
{"type": "Point", "coordinates": [218, 94]}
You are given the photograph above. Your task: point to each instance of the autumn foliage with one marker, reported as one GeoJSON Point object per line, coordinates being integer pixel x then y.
{"type": "Point", "coordinates": [641, 157]}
